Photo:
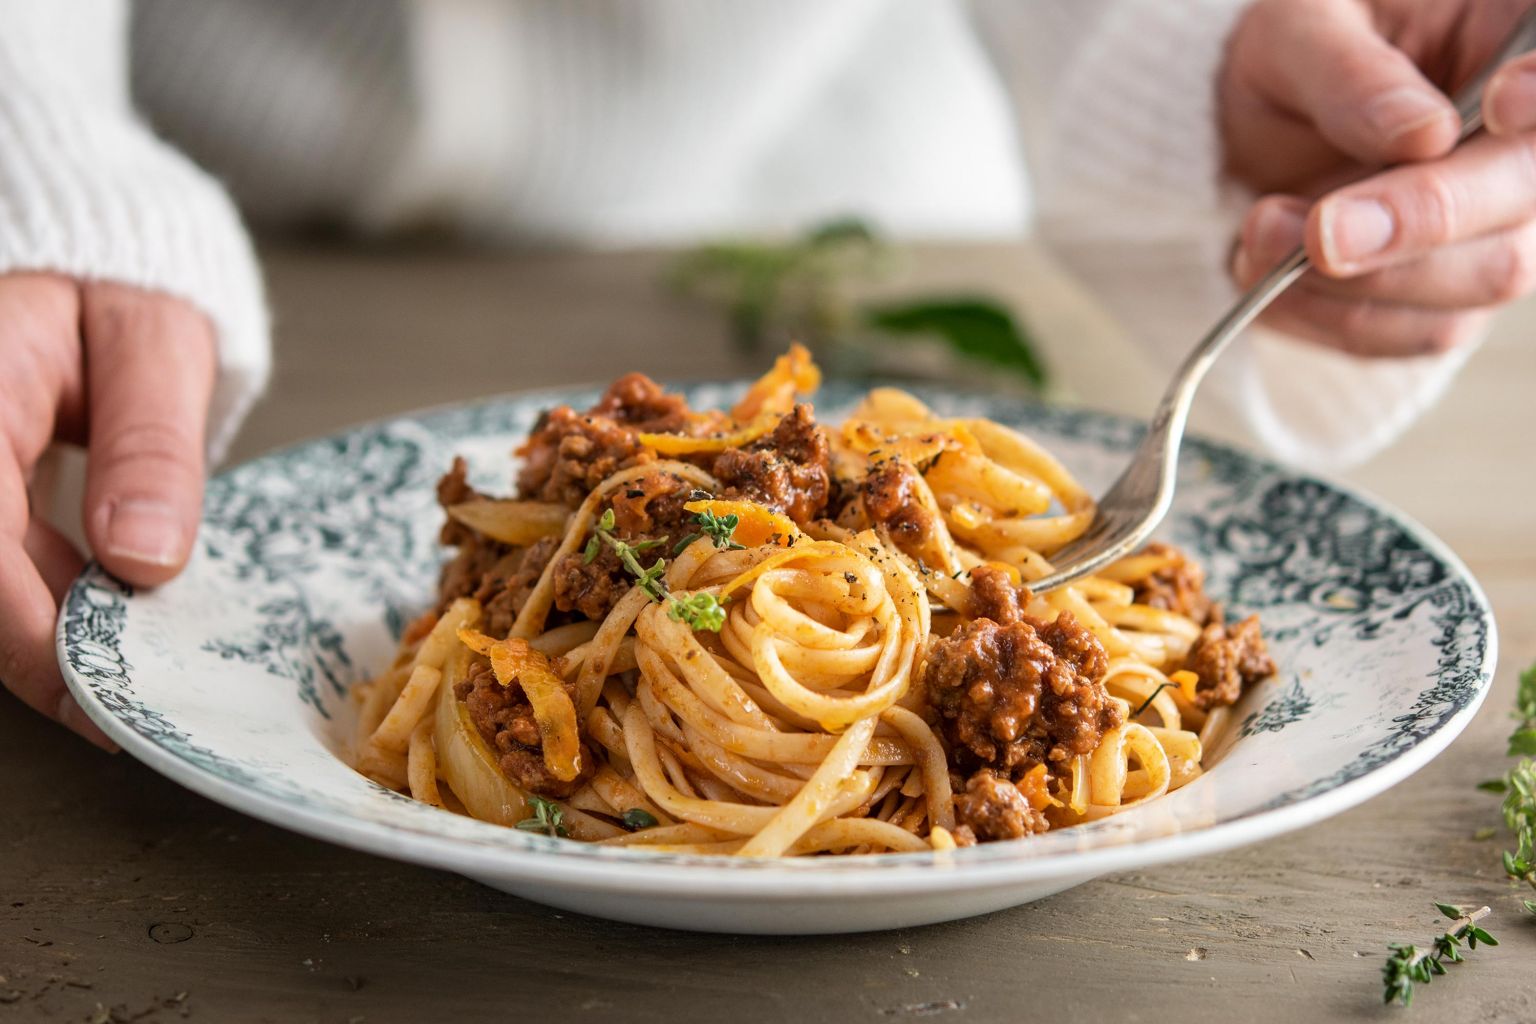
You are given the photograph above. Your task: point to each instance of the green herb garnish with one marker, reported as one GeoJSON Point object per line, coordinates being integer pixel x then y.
{"type": "Point", "coordinates": [1407, 965]}
{"type": "Point", "coordinates": [716, 528]}
{"type": "Point", "coordinates": [1148, 702]}
{"type": "Point", "coordinates": [700, 610]}
{"type": "Point", "coordinates": [547, 818]}
{"type": "Point", "coordinates": [1519, 786]}
{"type": "Point", "coordinates": [637, 818]}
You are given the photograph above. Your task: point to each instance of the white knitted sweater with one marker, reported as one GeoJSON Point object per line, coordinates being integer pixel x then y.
{"type": "Point", "coordinates": [592, 121]}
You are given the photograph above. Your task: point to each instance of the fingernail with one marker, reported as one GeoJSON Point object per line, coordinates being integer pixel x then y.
{"type": "Point", "coordinates": [1355, 229]}
{"type": "Point", "coordinates": [146, 531]}
{"type": "Point", "coordinates": [1397, 112]}
{"type": "Point", "coordinates": [1242, 267]}
{"type": "Point", "coordinates": [1513, 107]}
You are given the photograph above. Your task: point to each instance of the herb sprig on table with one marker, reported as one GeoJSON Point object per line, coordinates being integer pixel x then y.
{"type": "Point", "coordinates": [1518, 786]}
{"type": "Point", "coordinates": [800, 289]}
{"type": "Point", "coordinates": [701, 610]}
{"type": "Point", "coordinates": [1406, 965]}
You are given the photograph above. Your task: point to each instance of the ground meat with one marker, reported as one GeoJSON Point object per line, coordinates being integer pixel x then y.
{"type": "Point", "coordinates": [453, 489]}
{"type": "Point", "coordinates": [1009, 697]}
{"type": "Point", "coordinates": [788, 470]}
{"type": "Point", "coordinates": [639, 402]}
{"type": "Point", "coordinates": [506, 588]}
{"type": "Point", "coordinates": [461, 574]}
{"type": "Point", "coordinates": [569, 453]}
{"type": "Point", "coordinates": [993, 808]}
{"type": "Point", "coordinates": [995, 596]}
{"type": "Point", "coordinates": [1178, 587]}
{"type": "Point", "coordinates": [650, 508]}
{"type": "Point", "coordinates": [1227, 659]}
{"type": "Point", "coordinates": [504, 718]}
{"type": "Point", "coordinates": [590, 588]}
{"type": "Point", "coordinates": [890, 500]}
{"type": "Point", "coordinates": [499, 576]}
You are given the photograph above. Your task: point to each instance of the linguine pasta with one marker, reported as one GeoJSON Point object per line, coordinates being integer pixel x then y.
{"type": "Point", "coordinates": [747, 633]}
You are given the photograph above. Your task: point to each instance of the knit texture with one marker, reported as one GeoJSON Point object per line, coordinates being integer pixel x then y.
{"type": "Point", "coordinates": [618, 124]}
{"type": "Point", "coordinates": [86, 190]}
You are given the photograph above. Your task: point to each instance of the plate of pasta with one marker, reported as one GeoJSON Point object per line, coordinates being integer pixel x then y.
{"type": "Point", "coordinates": [763, 656]}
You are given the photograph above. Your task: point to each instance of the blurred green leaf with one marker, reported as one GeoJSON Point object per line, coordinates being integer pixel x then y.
{"type": "Point", "coordinates": [841, 231]}
{"type": "Point", "coordinates": [1522, 742]}
{"type": "Point", "coordinates": [974, 327]}
{"type": "Point", "coordinates": [792, 285]}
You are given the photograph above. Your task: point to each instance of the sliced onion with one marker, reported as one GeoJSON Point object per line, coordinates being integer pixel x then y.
{"type": "Point", "coordinates": [774, 392]}
{"type": "Point", "coordinates": [468, 764]}
{"type": "Point", "coordinates": [553, 711]}
{"type": "Point", "coordinates": [512, 522]}
{"type": "Point", "coordinates": [685, 444]}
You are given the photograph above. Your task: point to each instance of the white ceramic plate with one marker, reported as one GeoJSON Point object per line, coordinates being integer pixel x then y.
{"type": "Point", "coordinates": [232, 680]}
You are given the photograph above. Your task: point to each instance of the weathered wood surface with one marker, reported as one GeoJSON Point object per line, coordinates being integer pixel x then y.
{"type": "Point", "coordinates": [124, 897]}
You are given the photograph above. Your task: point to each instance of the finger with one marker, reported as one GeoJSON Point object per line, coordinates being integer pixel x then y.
{"type": "Point", "coordinates": [1326, 62]}
{"type": "Point", "coordinates": [40, 384]}
{"type": "Point", "coordinates": [1488, 271]}
{"type": "Point", "coordinates": [1509, 101]}
{"type": "Point", "coordinates": [28, 665]}
{"type": "Point", "coordinates": [150, 366]}
{"type": "Point", "coordinates": [55, 558]}
{"type": "Point", "coordinates": [1272, 229]}
{"type": "Point", "coordinates": [1487, 185]}
{"type": "Point", "coordinates": [1373, 329]}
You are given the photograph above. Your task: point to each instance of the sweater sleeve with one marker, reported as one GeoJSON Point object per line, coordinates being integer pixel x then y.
{"type": "Point", "coordinates": [87, 190]}
{"type": "Point", "coordinates": [1117, 116]}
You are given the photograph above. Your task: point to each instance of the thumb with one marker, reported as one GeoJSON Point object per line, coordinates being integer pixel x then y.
{"type": "Point", "coordinates": [1364, 95]}
{"type": "Point", "coordinates": [149, 378]}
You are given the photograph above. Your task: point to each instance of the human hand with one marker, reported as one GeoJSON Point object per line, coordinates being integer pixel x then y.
{"type": "Point", "coordinates": [129, 374]}
{"type": "Point", "coordinates": [1412, 260]}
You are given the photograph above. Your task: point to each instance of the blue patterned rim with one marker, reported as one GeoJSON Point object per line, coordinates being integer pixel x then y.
{"type": "Point", "coordinates": [1322, 564]}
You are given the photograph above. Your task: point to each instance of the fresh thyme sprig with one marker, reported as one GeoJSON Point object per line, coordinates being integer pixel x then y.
{"type": "Point", "coordinates": [1519, 788]}
{"type": "Point", "coordinates": [1408, 965]}
{"type": "Point", "coordinates": [717, 528]}
{"type": "Point", "coordinates": [547, 818]}
{"type": "Point", "coordinates": [701, 610]}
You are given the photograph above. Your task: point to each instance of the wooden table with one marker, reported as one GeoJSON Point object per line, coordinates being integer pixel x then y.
{"type": "Point", "coordinates": [123, 896]}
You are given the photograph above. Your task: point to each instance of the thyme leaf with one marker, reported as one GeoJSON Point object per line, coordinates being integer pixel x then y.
{"type": "Point", "coordinates": [717, 528]}
{"type": "Point", "coordinates": [637, 818]}
{"type": "Point", "coordinates": [547, 818]}
{"type": "Point", "coordinates": [700, 610]}
{"type": "Point", "coordinates": [1406, 965]}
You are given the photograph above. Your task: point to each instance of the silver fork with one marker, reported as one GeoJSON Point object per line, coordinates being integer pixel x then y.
{"type": "Point", "coordinates": [1138, 500]}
